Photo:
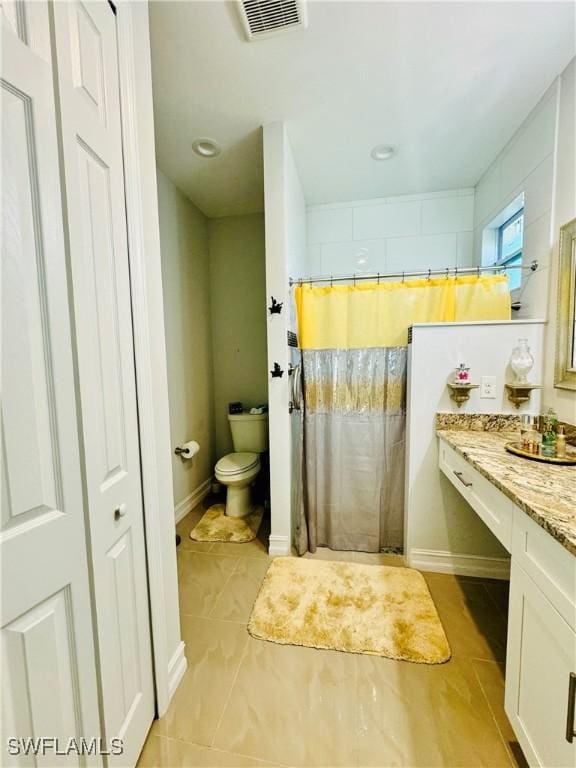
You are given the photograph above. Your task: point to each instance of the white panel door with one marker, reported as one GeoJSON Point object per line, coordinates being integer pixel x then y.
{"type": "Point", "coordinates": [48, 670]}
{"type": "Point", "coordinates": [86, 50]}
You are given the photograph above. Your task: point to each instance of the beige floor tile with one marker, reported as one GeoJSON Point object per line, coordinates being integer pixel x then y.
{"type": "Point", "coordinates": [499, 592]}
{"type": "Point", "coordinates": [474, 626]}
{"type": "Point", "coordinates": [243, 701]}
{"type": "Point", "coordinates": [201, 578]}
{"type": "Point", "coordinates": [324, 553]}
{"type": "Point", "coordinates": [161, 752]}
{"type": "Point", "coordinates": [293, 705]}
{"type": "Point", "coordinates": [214, 650]}
{"type": "Point", "coordinates": [237, 599]}
{"type": "Point", "coordinates": [424, 715]}
{"type": "Point", "coordinates": [490, 675]}
{"type": "Point", "coordinates": [367, 558]}
{"type": "Point", "coordinates": [258, 547]}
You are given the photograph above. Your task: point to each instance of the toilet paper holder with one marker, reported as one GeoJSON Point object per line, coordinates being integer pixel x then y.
{"type": "Point", "coordinates": [187, 450]}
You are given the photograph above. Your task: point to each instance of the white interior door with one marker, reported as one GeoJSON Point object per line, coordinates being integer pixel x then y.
{"type": "Point", "coordinates": [87, 71]}
{"type": "Point", "coordinates": [48, 669]}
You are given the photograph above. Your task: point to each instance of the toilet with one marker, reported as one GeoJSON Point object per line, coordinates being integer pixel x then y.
{"type": "Point", "coordinates": [238, 470]}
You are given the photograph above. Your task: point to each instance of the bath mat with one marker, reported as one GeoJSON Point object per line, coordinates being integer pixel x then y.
{"type": "Point", "coordinates": [373, 609]}
{"type": "Point", "coordinates": [216, 526]}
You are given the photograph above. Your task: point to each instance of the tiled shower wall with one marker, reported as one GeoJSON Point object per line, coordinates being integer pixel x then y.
{"type": "Point", "coordinates": [526, 165]}
{"type": "Point", "coordinates": [407, 232]}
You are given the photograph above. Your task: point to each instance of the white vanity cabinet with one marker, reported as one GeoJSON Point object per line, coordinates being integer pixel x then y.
{"type": "Point", "coordinates": [540, 696]}
{"type": "Point", "coordinates": [541, 650]}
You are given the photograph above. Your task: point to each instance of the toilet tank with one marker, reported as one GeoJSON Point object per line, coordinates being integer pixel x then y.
{"type": "Point", "coordinates": [249, 431]}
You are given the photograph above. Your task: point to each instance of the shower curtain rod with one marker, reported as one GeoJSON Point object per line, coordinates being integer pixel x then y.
{"type": "Point", "coordinates": [424, 273]}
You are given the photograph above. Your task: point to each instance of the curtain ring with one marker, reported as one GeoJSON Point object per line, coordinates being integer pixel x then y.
{"type": "Point", "coordinates": [456, 270]}
{"type": "Point", "coordinates": [429, 273]}
{"type": "Point", "coordinates": [331, 281]}
{"type": "Point", "coordinates": [403, 275]}
{"type": "Point", "coordinates": [378, 278]}
{"type": "Point", "coordinates": [447, 272]}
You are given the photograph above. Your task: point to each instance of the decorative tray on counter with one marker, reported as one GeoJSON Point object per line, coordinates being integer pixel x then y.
{"type": "Point", "coordinates": [570, 457]}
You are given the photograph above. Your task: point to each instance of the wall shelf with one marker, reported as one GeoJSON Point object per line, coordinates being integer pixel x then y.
{"type": "Point", "coordinates": [460, 393]}
{"type": "Point", "coordinates": [520, 393]}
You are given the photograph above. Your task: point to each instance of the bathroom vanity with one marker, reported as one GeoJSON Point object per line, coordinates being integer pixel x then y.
{"type": "Point", "coordinates": [531, 508]}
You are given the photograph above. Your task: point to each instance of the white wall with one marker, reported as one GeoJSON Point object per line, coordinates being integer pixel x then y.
{"type": "Point", "coordinates": [564, 210]}
{"type": "Point", "coordinates": [539, 162]}
{"type": "Point", "coordinates": [285, 216]}
{"type": "Point", "coordinates": [238, 317]}
{"type": "Point", "coordinates": [423, 231]}
{"type": "Point", "coordinates": [186, 288]}
{"type": "Point", "coordinates": [441, 530]}
{"type": "Point", "coordinates": [526, 165]}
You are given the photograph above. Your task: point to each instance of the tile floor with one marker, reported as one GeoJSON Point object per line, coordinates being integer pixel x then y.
{"type": "Point", "coordinates": [246, 702]}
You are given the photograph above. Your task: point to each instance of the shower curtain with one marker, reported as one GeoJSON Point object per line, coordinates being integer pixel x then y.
{"type": "Point", "coordinates": [353, 340]}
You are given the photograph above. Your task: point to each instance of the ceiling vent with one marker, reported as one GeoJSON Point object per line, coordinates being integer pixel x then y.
{"type": "Point", "coordinates": [265, 18]}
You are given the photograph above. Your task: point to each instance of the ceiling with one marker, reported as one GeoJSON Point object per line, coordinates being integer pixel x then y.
{"type": "Point", "coordinates": [447, 82]}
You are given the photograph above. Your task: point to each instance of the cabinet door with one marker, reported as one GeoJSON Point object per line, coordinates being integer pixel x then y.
{"type": "Point", "coordinates": [48, 671]}
{"type": "Point", "coordinates": [540, 657]}
{"type": "Point", "coordinates": [88, 86]}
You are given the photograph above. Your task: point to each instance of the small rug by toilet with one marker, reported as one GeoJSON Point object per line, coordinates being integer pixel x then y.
{"type": "Point", "coordinates": [372, 609]}
{"type": "Point", "coordinates": [216, 526]}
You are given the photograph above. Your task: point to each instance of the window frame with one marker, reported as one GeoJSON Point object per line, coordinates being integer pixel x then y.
{"type": "Point", "coordinates": [518, 253]}
{"type": "Point", "coordinates": [502, 261]}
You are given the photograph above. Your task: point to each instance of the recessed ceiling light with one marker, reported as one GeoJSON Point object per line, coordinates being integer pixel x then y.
{"type": "Point", "coordinates": [383, 152]}
{"type": "Point", "coordinates": [206, 147]}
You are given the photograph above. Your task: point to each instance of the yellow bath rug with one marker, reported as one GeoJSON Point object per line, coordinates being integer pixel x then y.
{"type": "Point", "coordinates": [371, 609]}
{"type": "Point", "coordinates": [216, 526]}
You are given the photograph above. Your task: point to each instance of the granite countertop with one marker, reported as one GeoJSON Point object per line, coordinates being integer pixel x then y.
{"type": "Point", "coordinates": [546, 492]}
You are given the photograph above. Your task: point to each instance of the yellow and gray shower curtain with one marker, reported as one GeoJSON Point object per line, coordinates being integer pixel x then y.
{"type": "Point", "coordinates": [353, 341]}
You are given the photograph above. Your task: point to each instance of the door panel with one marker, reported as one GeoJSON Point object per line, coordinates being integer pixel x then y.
{"type": "Point", "coordinates": [105, 361]}
{"type": "Point", "coordinates": [123, 600]}
{"type": "Point", "coordinates": [48, 670]}
{"type": "Point", "coordinates": [42, 669]}
{"type": "Point", "coordinates": [92, 151]}
{"type": "Point", "coordinates": [31, 463]}
{"type": "Point", "coordinates": [86, 60]}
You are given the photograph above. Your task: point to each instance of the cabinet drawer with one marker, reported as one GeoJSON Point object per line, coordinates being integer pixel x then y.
{"type": "Point", "coordinates": [494, 509]}
{"type": "Point", "coordinates": [547, 562]}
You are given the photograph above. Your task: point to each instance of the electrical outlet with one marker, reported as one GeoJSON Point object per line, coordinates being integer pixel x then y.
{"type": "Point", "coordinates": [488, 387]}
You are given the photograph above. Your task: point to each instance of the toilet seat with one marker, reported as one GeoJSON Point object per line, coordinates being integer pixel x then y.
{"type": "Point", "coordinates": [236, 464]}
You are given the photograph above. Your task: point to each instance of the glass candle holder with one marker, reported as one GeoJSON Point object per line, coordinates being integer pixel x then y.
{"type": "Point", "coordinates": [521, 361]}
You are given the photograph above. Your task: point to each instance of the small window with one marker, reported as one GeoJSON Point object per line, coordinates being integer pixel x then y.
{"type": "Point", "coordinates": [510, 242]}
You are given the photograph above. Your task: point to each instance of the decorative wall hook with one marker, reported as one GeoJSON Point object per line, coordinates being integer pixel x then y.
{"type": "Point", "coordinates": [276, 372]}
{"type": "Point", "coordinates": [276, 306]}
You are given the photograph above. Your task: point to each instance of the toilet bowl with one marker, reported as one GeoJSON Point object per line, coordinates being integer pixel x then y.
{"type": "Point", "coordinates": [238, 470]}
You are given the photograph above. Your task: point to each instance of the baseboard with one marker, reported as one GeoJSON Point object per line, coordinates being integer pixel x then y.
{"type": "Point", "coordinates": [176, 669]}
{"type": "Point", "coordinates": [192, 500]}
{"type": "Point", "coordinates": [460, 565]}
{"type": "Point", "coordinates": [278, 546]}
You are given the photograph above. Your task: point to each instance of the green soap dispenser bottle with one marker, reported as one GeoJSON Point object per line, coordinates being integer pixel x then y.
{"type": "Point", "coordinates": [549, 433]}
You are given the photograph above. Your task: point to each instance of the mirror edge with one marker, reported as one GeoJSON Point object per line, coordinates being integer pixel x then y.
{"type": "Point", "coordinates": [565, 376]}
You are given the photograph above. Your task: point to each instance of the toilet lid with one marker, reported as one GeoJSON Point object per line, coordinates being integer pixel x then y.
{"type": "Point", "coordinates": [236, 463]}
